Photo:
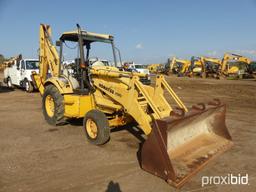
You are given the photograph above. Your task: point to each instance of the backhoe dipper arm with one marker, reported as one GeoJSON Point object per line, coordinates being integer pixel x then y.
{"type": "Point", "coordinates": [48, 56]}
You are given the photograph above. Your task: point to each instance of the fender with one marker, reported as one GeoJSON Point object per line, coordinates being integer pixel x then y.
{"type": "Point", "coordinates": [62, 83]}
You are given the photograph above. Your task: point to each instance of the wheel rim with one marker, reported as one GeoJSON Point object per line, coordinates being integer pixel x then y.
{"type": "Point", "coordinates": [49, 105]}
{"type": "Point", "coordinates": [27, 86]}
{"type": "Point", "coordinates": [91, 128]}
{"type": "Point", "coordinates": [9, 83]}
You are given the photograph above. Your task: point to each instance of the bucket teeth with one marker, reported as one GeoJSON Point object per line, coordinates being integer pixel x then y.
{"type": "Point", "coordinates": [178, 112]}
{"type": "Point", "coordinates": [180, 145]}
{"type": "Point", "coordinates": [199, 107]}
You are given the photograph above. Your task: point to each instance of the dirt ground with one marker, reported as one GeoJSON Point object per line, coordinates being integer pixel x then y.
{"type": "Point", "coordinates": [38, 157]}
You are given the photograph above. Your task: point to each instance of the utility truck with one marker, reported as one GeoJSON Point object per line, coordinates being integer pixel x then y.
{"type": "Point", "coordinates": [139, 68]}
{"type": "Point", "coordinates": [19, 74]}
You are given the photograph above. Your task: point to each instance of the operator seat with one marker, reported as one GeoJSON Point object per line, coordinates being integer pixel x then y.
{"type": "Point", "coordinates": [98, 63]}
{"type": "Point", "coordinates": [72, 80]}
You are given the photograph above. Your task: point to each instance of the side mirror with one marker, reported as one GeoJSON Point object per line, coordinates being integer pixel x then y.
{"type": "Point", "coordinates": [58, 43]}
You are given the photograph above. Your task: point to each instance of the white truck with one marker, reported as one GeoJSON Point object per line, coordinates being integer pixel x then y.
{"type": "Point", "coordinates": [140, 68]}
{"type": "Point", "coordinates": [19, 74]}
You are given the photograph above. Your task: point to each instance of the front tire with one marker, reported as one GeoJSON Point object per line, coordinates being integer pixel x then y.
{"type": "Point", "coordinates": [53, 106]}
{"type": "Point", "coordinates": [96, 127]}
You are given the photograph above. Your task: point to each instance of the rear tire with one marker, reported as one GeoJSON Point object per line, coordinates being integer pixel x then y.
{"type": "Point", "coordinates": [53, 106]}
{"type": "Point", "coordinates": [96, 127]}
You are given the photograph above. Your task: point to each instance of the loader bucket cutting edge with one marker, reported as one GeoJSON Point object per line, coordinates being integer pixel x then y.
{"type": "Point", "coordinates": [178, 147]}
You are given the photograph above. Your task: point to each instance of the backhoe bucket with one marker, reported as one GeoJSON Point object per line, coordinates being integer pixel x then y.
{"type": "Point", "coordinates": [180, 145]}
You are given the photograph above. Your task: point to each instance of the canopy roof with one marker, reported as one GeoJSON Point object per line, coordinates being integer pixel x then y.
{"type": "Point", "coordinates": [87, 37]}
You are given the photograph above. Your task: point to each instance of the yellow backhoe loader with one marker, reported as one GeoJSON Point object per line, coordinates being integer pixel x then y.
{"type": "Point", "coordinates": [179, 141]}
{"type": "Point", "coordinates": [235, 66]}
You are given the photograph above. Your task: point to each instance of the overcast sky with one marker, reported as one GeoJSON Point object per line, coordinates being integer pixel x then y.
{"type": "Point", "coordinates": [145, 31]}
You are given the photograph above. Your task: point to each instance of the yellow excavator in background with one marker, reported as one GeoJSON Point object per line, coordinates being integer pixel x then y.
{"type": "Point", "coordinates": [195, 68]}
{"type": "Point", "coordinates": [205, 67]}
{"type": "Point", "coordinates": [155, 68]}
{"type": "Point", "coordinates": [232, 65]}
{"type": "Point", "coordinates": [180, 66]}
{"type": "Point", "coordinates": [169, 66]}
{"type": "Point", "coordinates": [177, 66]}
{"type": "Point", "coordinates": [235, 66]}
{"type": "Point", "coordinates": [179, 141]}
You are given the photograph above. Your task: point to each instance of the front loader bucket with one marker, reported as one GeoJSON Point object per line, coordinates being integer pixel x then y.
{"type": "Point", "coordinates": [180, 145]}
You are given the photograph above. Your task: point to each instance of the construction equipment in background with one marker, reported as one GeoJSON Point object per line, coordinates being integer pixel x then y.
{"type": "Point", "coordinates": [196, 68]}
{"type": "Point", "coordinates": [19, 74]}
{"type": "Point", "coordinates": [177, 66]}
{"type": "Point", "coordinates": [10, 62]}
{"type": "Point", "coordinates": [232, 65]}
{"type": "Point", "coordinates": [168, 67]}
{"type": "Point", "coordinates": [139, 68]}
{"type": "Point", "coordinates": [211, 67]}
{"type": "Point", "coordinates": [204, 67]}
{"type": "Point", "coordinates": [235, 66]}
{"type": "Point", "coordinates": [156, 68]}
{"type": "Point", "coordinates": [178, 141]}
{"type": "Point", "coordinates": [252, 68]}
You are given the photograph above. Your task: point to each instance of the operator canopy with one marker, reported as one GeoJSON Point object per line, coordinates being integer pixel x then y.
{"type": "Point", "coordinates": [88, 37]}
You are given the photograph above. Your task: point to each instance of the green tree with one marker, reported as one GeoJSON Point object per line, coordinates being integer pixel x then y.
{"type": "Point", "coordinates": [2, 59]}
